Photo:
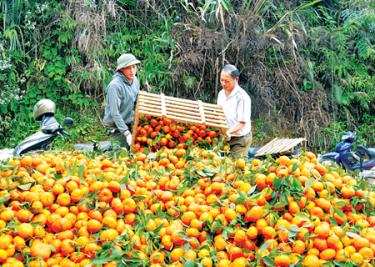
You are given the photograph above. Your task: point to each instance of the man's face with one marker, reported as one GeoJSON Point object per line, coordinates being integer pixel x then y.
{"type": "Point", "coordinates": [130, 72]}
{"type": "Point", "coordinates": [227, 81]}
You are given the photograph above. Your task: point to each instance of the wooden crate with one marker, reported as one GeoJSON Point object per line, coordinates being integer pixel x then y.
{"type": "Point", "coordinates": [280, 146]}
{"type": "Point", "coordinates": [180, 110]}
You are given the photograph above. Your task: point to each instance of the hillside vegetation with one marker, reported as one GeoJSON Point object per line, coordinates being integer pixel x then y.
{"type": "Point", "coordinates": [308, 65]}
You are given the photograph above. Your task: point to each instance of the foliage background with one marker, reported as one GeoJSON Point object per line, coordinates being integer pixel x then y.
{"type": "Point", "coordinates": [307, 65]}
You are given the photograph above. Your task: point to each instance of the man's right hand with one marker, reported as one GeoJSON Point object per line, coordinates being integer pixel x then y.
{"type": "Point", "coordinates": [128, 137]}
{"type": "Point", "coordinates": [227, 136]}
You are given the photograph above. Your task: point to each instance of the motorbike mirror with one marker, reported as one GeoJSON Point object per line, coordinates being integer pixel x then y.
{"type": "Point", "coordinates": [68, 121]}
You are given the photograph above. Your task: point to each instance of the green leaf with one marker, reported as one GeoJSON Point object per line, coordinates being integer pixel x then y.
{"type": "Point", "coordinates": [268, 261]}
{"type": "Point", "coordinates": [340, 203]}
{"type": "Point", "coordinates": [294, 228]}
{"type": "Point", "coordinates": [25, 187]}
{"type": "Point", "coordinates": [294, 167]}
{"type": "Point", "coordinates": [4, 198]}
{"type": "Point", "coordinates": [264, 246]}
{"type": "Point", "coordinates": [353, 235]}
{"type": "Point", "coordinates": [226, 4]}
{"type": "Point", "coordinates": [189, 263]}
{"type": "Point", "coordinates": [339, 212]}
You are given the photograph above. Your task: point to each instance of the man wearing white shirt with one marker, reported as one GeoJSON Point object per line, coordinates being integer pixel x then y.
{"type": "Point", "coordinates": [236, 104]}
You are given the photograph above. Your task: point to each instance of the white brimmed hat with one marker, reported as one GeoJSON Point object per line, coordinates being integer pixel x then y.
{"type": "Point", "coordinates": [126, 60]}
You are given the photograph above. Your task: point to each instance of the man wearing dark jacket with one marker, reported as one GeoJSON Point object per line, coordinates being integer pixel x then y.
{"type": "Point", "coordinates": [120, 100]}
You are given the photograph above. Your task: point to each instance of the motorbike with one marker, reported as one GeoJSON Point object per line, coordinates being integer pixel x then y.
{"type": "Point", "coordinates": [44, 112]}
{"type": "Point", "coordinates": [362, 159]}
{"type": "Point", "coordinates": [41, 140]}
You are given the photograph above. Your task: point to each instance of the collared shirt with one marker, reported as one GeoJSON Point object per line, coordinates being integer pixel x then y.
{"type": "Point", "coordinates": [120, 101]}
{"type": "Point", "coordinates": [237, 108]}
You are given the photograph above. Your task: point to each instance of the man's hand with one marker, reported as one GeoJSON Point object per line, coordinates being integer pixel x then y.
{"type": "Point", "coordinates": [128, 137]}
{"type": "Point", "coordinates": [227, 136]}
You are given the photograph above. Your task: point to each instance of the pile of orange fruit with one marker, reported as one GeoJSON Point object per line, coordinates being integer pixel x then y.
{"type": "Point", "coordinates": [154, 133]}
{"type": "Point", "coordinates": [180, 207]}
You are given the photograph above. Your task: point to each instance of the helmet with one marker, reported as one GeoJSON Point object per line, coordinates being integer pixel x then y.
{"type": "Point", "coordinates": [348, 137]}
{"type": "Point", "coordinates": [42, 107]}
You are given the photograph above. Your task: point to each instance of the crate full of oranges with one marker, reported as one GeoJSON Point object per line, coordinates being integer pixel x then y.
{"type": "Point", "coordinates": [162, 121]}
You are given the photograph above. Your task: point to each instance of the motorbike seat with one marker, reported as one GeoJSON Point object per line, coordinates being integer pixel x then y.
{"type": "Point", "coordinates": [364, 151]}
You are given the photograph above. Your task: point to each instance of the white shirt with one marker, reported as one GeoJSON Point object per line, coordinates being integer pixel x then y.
{"type": "Point", "coordinates": [237, 108]}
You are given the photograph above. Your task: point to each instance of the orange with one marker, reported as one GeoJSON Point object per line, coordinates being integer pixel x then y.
{"type": "Point", "coordinates": [366, 253]}
{"type": "Point", "coordinates": [357, 258]}
{"type": "Point", "coordinates": [157, 257]}
{"type": "Point", "coordinates": [328, 254]}
{"type": "Point", "coordinates": [239, 236]}
{"type": "Point", "coordinates": [282, 260]}
{"type": "Point", "coordinates": [322, 230]}
{"type": "Point", "coordinates": [240, 163]}
{"type": "Point", "coordinates": [40, 250]}
{"type": "Point", "coordinates": [299, 247]}
{"type": "Point", "coordinates": [347, 192]}
{"type": "Point", "coordinates": [94, 226]}
{"type": "Point", "coordinates": [311, 261]}
{"type": "Point", "coordinates": [25, 230]}
{"type": "Point", "coordinates": [230, 214]}
{"type": "Point", "coordinates": [24, 215]}
{"type": "Point", "coordinates": [254, 214]}
{"type": "Point", "coordinates": [268, 232]}
{"type": "Point", "coordinates": [176, 254]}
{"type": "Point", "coordinates": [252, 232]}
{"type": "Point", "coordinates": [63, 199]}
{"type": "Point", "coordinates": [235, 252]}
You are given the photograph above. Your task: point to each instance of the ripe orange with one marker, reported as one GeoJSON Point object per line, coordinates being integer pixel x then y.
{"type": "Point", "coordinates": [94, 226]}
{"type": "Point", "coordinates": [40, 250]}
{"type": "Point", "coordinates": [25, 230]}
{"type": "Point", "coordinates": [311, 261]}
{"type": "Point", "coordinates": [176, 254]}
{"type": "Point", "coordinates": [254, 214]}
{"type": "Point", "coordinates": [282, 260]}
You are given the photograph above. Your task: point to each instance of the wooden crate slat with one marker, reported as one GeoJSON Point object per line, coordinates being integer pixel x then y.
{"type": "Point", "coordinates": [185, 116]}
{"type": "Point", "coordinates": [216, 120]}
{"type": "Point", "coordinates": [181, 100]}
{"type": "Point", "coordinates": [215, 117]}
{"type": "Point", "coordinates": [155, 99]}
{"type": "Point", "coordinates": [147, 105]}
{"type": "Point", "coordinates": [144, 110]}
{"type": "Point", "coordinates": [279, 146]}
{"type": "Point", "coordinates": [184, 120]}
{"type": "Point", "coordinates": [203, 119]}
{"type": "Point", "coordinates": [214, 112]}
{"type": "Point", "coordinates": [182, 110]}
{"type": "Point", "coordinates": [268, 148]}
{"type": "Point", "coordinates": [209, 105]}
{"type": "Point", "coordinates": [218, 125]}
{"type": "Point", "coordinates": [163, 105]}
{"type": "Point", "coordinates": [145, 94]}
{"type": "Point", "coordinates": [143, 106]}
{"type": "Point", "coordinates": [181, 104]}
{"type": "Point", "coordinates": [154, 102]}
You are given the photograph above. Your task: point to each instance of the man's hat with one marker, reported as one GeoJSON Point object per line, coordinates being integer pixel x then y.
{"type": "Point", "coordinates": [126, 60]}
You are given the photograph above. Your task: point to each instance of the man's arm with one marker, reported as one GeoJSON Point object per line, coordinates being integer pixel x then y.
{"type": "Point", "coordinates": [235, 130]}
{"type": "Point", "coordinates": [114, 106]}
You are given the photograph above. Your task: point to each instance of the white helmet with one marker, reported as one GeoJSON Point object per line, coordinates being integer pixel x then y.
{"type": "Point", "coordinates": [42, 107]}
